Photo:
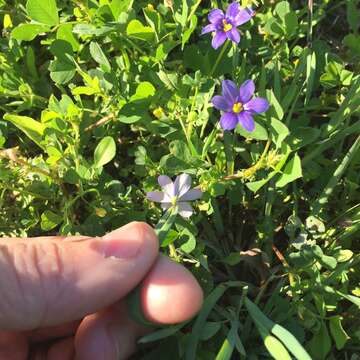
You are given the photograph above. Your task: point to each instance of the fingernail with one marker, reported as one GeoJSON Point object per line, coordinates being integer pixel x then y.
{"type": "Point", "coordinates": [124, 243]}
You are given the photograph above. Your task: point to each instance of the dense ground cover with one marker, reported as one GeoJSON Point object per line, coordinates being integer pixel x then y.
{"type": "Point", "coordinates": [99, 98]}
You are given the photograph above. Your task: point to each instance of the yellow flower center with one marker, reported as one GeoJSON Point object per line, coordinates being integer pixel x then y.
{"type": "Point", "coordinates": [173, 200]}
{"type": "Point", "coordinates": [237, 108]}
{"type": "Point", "coordinates": [226, 26]}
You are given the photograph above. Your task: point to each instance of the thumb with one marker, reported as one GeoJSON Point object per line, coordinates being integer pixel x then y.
{"type": "Point", "coordinates": [49, 281]}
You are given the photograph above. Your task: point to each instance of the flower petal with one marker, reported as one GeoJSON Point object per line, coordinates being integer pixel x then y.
{"type": "Point", "coordinates": [233, 10]}
{"type": "Point", "coordinates": [233, 35]}
{"type": "Point", "coordinates": [191, 195]}
{"type": "Point", "coordinates": [167, 185]}
{"type": "Point", "coordinates": [215, 16]}
{"type": "Point", "coordinates": [247, 90]}
{"type": "Point", "coordinates": [185, 209]}
{"type": "Point", "coordinates": [157, 196]}
{"type": "Point", "coordinates": [243, 16]}
{"type": "Point", "coordinates": [221, 103]}
{"type": "Point", "coordinates": [230, 91]}
{"type": "Point", "coordinates": [208, 28]}
{"type": "Point", "coordinates": [228, 121]}
{"type": "Point", "coordinates": [166, 206]}
{"type": "Point", "coordinates": [257, 105]}
{"type": "Point", "coordinates": [182, 184]}
{"type": "Point", "coordinates": [218, 39]}
{"type": "Point", "coordinates": [246, 121]}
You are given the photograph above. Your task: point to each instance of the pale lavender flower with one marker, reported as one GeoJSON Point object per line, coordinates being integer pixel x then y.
{"type": "Point", "coordinates": [177, 193]}
{"type": "Point", "coordinates": [224, 26]}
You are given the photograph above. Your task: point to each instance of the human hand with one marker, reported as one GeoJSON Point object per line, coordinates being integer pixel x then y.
{"type": "Point", "coordinates": [63, 298]}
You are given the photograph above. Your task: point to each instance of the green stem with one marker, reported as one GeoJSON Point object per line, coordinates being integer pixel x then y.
{"type": "Point", "coordinates": [310, 20]}
{"type": "Point", "coordinates": [222, 52]}
{"type": "Point", "coordinates": [235, 59]}
{"type": "Point", "coordinates": [228, 145]}
{"type": "Point", "coordinates": [192, 12]}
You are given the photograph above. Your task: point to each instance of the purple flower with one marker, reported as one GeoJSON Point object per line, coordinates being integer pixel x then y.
{"type": "Point", "coordinates": [224, 26]}
{"type": "Point", "coordinates": [177, 193]}
{"type": "Point", "coordinates": [239, 105]}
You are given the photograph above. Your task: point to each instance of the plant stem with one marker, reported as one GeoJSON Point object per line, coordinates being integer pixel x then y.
{"type": "Point", "coordinates": [228, 145]}
{"type": "Point", "coordinates": [253, 168]}
{"type": "Point", "coordinates": [310, 20]}
{"type": "Point", "coordinates": [222, 52]}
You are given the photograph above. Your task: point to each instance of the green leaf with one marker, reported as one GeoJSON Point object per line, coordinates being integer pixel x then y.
{"type": "Point", "coordinates": [254, 186]}
{"type": "Point", "coordinates": [186, 35]}
{"type": "Point", "coordinates": [137, 30]}
{"type": "Point", "coordinates": [28, 32]}
{"type": "Point", "coordinates": [282, 8]}
{"type": "Point", "coordinates": [260, 132]}
{"type": "Point", "coordinates": [302, 136]}
{"type": "Point", "coordinates": [99, 56]}
{"type": "Point", "coordinates": [44, 11]}
{"type": "Point", "coordinates": [210, 329]}
{"type": "Point", "coordinates": [61, 72]}
{"type": "Point", "coordinates": [353, 15]}
{"type": "Point", "coordinates": [49, 220]}
{"type": "Point", "coordinates": [64, 32]}
{"type": "Point", "coordinates": [230, 342]}
{"type": "Point", "coordinates": [276, 109]}
{"type": "Point", "coordinates": [279, 131]}
{"type": "Point", "coordinates": [164, 49]}
{"type": "Point", "coordinates": [189, 240]}
{"type": "Point", "coordinates": [119, 6]}
{"type": "Point", "coordinates": [291, 172]}
{"type": "Point", "coordinates": [209, 303]}
{"type": "Point", "coordinates": [320, 344]}
{"type": "Point", "coordinates": [276, 349]}
{"type": "Point", "coordinates": [288, 339]}
{"type": "Point", "coordinates": [138, 106]}
{"type": "Point", "coordinates": [165, 224]}
{"type": "Point", "coordinates": [105, 151]}
{"type": "Point", "coordinates": [143, 91]}
{"type": "Point", "coordinates": [31, 128]}
{"type": "Point", "coordinates": [310, 75]}
{"type": "Point", "coordinates": [337, 332]}
{"type": "Point", "coordinates": [161, 334]}
{"type": "Point", "coordinates": [63, 68]}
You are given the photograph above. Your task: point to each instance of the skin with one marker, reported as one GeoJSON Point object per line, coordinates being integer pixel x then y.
{"type": "Point", "coordinates": [63, 298]}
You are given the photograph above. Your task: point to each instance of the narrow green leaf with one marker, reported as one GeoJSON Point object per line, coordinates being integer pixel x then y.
{"type": "Point", "coordinates": [310, 75]}
{"type": "Point", "coordinates": [99, 56]}
{"type": "Point", "coordinates": [161, 334]}
{"type": "Point", "coordinates": [288, 339]}
{"type": "Point", "coordinates": [229, 344]}
{"type": "Point", "coordinates": [31, 128]}
{"type": "Point", "coordinates": [105, 151]}
{"type": "Point", "coordinates": [165, 224]}
{"type": "Point", "coordinates": [276, 349]}
{"type": "Point", "coordinates": [209, 303]}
